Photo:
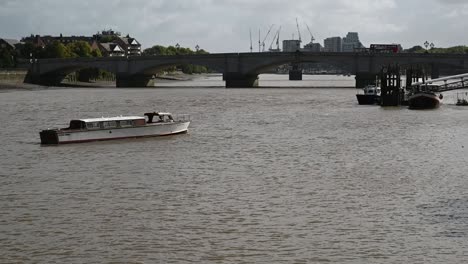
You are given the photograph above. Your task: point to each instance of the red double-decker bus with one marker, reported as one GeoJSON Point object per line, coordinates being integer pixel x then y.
{"type": "Point", "coordinates": [385, 48]}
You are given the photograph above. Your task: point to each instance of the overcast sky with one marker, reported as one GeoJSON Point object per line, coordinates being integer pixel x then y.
{"type": "Point", "coordinates": [224, 25]}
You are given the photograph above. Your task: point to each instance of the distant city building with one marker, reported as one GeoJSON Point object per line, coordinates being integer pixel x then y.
{"type": "Point", "coordinates": [35, 40]}
{"type": "Point", "coordinates": [291, 45]}
{"type": "Point", "coordinates": [109, 42]}
{"type": "Point", "coordinates": [106, 35]}
{"type": "Point", "coordinates": [313, 47]}
{"type": "Point", "coordinates": [111, 50]}
{"type": "Point", "coordinates": [42, 41]}
{"type": "Point", "coordinates": [130, 45]}
{"type": "Point", "coordinates": [351, 42]}
{"type": "Point", "coordinates": [333, 44]}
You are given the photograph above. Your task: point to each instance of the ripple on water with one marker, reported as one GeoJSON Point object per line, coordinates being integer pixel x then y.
{"type": "Point", "coordinates": [264, 175]}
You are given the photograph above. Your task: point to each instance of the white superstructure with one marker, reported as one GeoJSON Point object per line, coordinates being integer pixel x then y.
{"type": "Point", "coordinates": [120, 127]}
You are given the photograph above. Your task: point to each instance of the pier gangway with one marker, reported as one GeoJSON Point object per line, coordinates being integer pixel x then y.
{"type": "Point", "coordinates": [448, 83]}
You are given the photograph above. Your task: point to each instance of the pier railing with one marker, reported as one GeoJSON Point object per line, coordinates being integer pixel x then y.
{"type": "Point", "coordinates": [444, 84]}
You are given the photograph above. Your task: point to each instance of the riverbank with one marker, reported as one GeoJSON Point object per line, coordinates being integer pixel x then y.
{"type": "Point", "coordinates": [179, 76]}
{"type": "Point", "coordinates": [181, 80]}
{"type": "Point", "coordinates": [15, 80]}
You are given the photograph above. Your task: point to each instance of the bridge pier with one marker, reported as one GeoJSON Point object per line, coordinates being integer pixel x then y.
{"type": "Point", "coordinates": [239, 80]}
{"type": "Point", "coordinates": [295, 74]}
{"type": "Point", "coordinates": [365, 78]}
{"type": "Point", "coordinates": [435, 71]}
{"type": "Point", "coordinates": [138, 80]}
{"type": "Point", "coordinates": [45, 79]}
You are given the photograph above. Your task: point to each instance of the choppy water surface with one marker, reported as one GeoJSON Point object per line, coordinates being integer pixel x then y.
{"type": "Point", "coordinates": [285, 175]}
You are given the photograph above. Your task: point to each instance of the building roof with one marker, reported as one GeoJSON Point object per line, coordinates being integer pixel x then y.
{"type": "Point", "coordinates": [111, 47]}
{"type": "Point", "coordinates": [11, 42]}
{"type": "Point", "coordinates": [128, 41]}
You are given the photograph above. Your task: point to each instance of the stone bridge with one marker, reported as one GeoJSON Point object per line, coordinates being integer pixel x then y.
{"type": "Point", "coordinates": [242, 69]}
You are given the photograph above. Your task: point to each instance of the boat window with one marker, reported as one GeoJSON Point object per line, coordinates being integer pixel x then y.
{"type": "Point", "coordinates": [126, 123]}
{"type": "Point", "coordinates": [166, 118]}
{"type": "Point", "coordinates": [77, 124]}
{"type": "Point", "coordinates": [109, 124]}
{"type": "Point", "coordinates": [93, 125]}
{"type": "Point", "coordinates": [140, 122]}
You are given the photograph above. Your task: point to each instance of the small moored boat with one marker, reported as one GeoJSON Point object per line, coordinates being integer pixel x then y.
{"type": "Point", "coordinates": [370, 96]}
{"type": "Point", "coordinates": [424, 97]}
{"type": "Point", "coordinates": [461, 100]}
{"type": "Point", "coordinates": [121, 127]}
{"type": "Point", "coordinates": [424, 100]}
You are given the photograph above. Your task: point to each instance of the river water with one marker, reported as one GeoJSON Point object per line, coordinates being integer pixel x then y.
{"type": "Point", "coordinates": [268, 175]}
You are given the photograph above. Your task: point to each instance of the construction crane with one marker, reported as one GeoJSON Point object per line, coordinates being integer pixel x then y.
{"type": "Point", "coordinates": [277, 40]}
{"type": "Point", "coordinates": [276, 37]}
{"type": "Point", "coordinates": [298, 30]}
{"type": "Point", "coordinates": [266, 36]}
{"type": "Point", "coordinates": [259, 42]}
{"type": "Point", "coordinates": [251, 47]}
{"type": "Point", "coordinates": [311, 36]}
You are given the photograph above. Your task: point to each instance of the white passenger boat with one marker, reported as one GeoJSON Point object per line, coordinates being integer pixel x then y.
{"type": "Point", "coordinates": [121, 127]}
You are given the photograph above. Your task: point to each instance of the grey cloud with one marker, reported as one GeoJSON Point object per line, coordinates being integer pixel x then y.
{"type": "Point", "coordinates": [223, 25]}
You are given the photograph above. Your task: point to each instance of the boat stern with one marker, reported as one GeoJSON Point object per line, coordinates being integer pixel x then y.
{"type": "Point", "coordinates": [49, 137]}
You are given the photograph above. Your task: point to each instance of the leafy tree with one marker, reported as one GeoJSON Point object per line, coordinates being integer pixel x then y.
{"type": "Point", "coordinates": [6, 58]}
{"type": "Point", "coordinates": [171, 51]}
{"type": "Point", "coordinates": [107, 39]}
{"type": "Point", "coordinates": [28, 49]}
{"type": "Point", "coordinates": [80, 49]}
{"type": "Point", "coordinates": [96, 53]}
{"type": "Point", "coordinates": [202, 51]}
{"type": "Point", "coordinates": [155, 50]}
{"type": "Point", "coordinates": [452, 50]}
{"type": "Point", "coordinates": [416, 49]}
{"type": "Point", "coordinates": [57, 50]}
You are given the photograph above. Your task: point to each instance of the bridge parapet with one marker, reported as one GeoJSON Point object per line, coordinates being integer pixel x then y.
{"type": "Point", "coordinates": [239, 69]}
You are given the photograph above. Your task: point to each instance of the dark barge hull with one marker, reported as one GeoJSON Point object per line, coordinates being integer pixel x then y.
{"type": "Point", "coordinates": [366, 99]}
{"type": "Point", "coordinates": [423, 101]}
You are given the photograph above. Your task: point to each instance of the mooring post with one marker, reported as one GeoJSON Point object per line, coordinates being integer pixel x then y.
{"type": "Point", "coordinates": [390, 79]}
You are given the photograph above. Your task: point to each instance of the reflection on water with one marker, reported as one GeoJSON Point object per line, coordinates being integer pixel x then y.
{"type": "Point", "coordinates": [266, 80]}
{"type": "Point", "coordinates": [264, 176]}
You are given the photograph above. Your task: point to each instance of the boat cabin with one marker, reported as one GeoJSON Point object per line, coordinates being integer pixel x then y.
{"type": "Point", "coordinates": [156, 117]}
{"type": "Point", "coordinates": [425, 88]}
{"type": "Point", "coordinates": [106, 123]}
{"type": "Point", "coordinates": [372, 90]}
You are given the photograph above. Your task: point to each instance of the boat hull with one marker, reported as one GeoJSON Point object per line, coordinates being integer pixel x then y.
{"type": "Point", "coordinates": [423, 101]}
{"type": "Point", "coordinates": [367, 99]}
{"type": "Point", "coordinates": [54, 137]}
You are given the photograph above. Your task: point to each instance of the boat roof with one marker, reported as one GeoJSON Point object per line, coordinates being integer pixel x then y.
{"type": "Point", "coordinates": [160, 113]}
{"type": "Point", "coordinates": [117, 118]}
{"type": "Point", "coordinates": [163, 113]}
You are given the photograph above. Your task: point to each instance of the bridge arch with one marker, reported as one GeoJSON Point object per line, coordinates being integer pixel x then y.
{"type": "Point", "coordinates": [335, 63]}
{"type": "Point", "coordinates": [52, 71]}
{"type": "Point", "coordinates": [238, 68]}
